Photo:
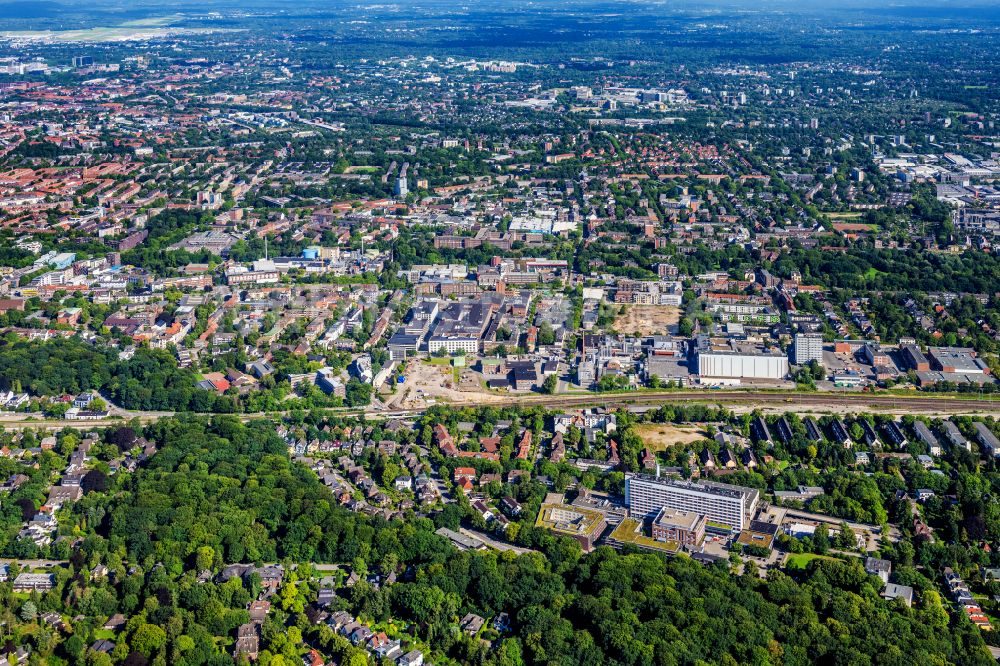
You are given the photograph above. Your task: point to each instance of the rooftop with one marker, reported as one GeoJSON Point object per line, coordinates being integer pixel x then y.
{"type": "Point", "coordinates": [569, 520]}
{"type": "Point", "coordinates": [629, 531]}
{"type": "Point", "coordinates": [687, 520]}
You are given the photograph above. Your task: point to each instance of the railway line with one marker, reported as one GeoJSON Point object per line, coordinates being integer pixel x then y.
{"type": "Point", "coordinates": [739, 401]}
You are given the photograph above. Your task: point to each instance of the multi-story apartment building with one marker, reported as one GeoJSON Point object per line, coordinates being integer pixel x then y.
{"type": "Point", "coordinates": [808, 347]}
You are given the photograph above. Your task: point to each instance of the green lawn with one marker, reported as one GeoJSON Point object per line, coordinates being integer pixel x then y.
{"type": "Point", "coordinates": [872, 273]}
{"type": "Point", "coordinates": [802, 560]}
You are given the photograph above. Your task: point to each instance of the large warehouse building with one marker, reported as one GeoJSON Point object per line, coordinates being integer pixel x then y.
{"type": "Point", "coordinates": [733, 360]}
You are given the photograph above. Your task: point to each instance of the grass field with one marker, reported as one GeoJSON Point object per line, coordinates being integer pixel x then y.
{"type": "Point", "coordinates": [872, 273]}
{"type": "Point", "coordinates": [802, 560]}
{"type": "Point", "coordinates": [661, 436]}
{"type": "Point", "coordinates": [843, 217]}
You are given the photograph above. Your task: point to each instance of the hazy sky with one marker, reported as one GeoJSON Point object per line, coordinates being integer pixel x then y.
{"type": "Point", "coordinates": [937, 8]}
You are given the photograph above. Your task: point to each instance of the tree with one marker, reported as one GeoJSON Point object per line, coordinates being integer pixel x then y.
{"type": "Point", "coordinates": [94, 481]}
{"type": "Point", "coordinates": [355, 657]}
{"type": "Point", "coordinates": [74, 646]}
{"type": "Point", "coordinates": [148, 638]}
{"type": "Point", "coordinates": [135, 659]}
{"type": "Point", "coordinates": [95, 658]}
{"type": "Point", "coordinates": [509, 653]}
{"type": "Point", "coordinates": [122, 437]}
{"type": "Point", "coordinates": [546, 334]}
{"type": "Point", "coordinates": [856, 432]}
{"type": "Point", "coordinates": [213, 485]}
{"type": "Point", "coordinates": [612, 383]}
{"type": "Point", "coordinates": [29, 611]}
{"type": "Point", "coordinates": [550, 385]}
{"type": "Point", "coordinates": [357, 393]}
{"type": "Point", "coordinates": [821, 539]}
{"type": "Point", "coordinates": [933, 613]}
{"type": "Point", "coordinates": [845, 537]}
{"type": "Point", "coordinates": [27, 508]}
{"type": "Point", "coordinates": [205, 557]}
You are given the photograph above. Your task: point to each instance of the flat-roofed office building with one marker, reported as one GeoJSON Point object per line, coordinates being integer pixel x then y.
{"type": "Point", "coordinates": [684, 527]}
{"type": "Point", "coordinates": [720, 503]}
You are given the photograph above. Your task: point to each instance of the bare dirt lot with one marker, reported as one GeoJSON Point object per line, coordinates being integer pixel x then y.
{"type": "Point", "coordinates": [428, 384]}
{"type": "Point", "coordinates": [647, 319]}
{"type": "Point", "coordinates": [660, 436]}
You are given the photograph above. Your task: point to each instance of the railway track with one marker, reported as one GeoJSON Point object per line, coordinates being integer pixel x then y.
{"type": "Point", "coordinates": [740, 400]}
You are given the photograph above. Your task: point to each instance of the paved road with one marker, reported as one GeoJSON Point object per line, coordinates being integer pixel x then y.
{"type": "Point", "coordinates": [493, 543]}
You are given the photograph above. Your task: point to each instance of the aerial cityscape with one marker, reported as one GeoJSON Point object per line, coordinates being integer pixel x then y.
{"type": "Point", "coordinates": [499, 334]}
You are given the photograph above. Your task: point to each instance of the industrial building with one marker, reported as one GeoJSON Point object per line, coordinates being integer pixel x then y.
{"type": "Point", "coordinates": [957, 360]}
{"type": "Point", "coordinates": [728, 361]}
{"type": "Point", "coordinates": [914, 358]}
{"type": "Point", "coordinates": [216, 242]}
{"type": "Point", "coordinates": [954, 364]}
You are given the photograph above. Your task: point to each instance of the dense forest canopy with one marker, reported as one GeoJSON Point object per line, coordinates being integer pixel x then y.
{"type": "Point", "coordinates": [221, 491]}
{"type": "Point", "coordinates": [149, 380]}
